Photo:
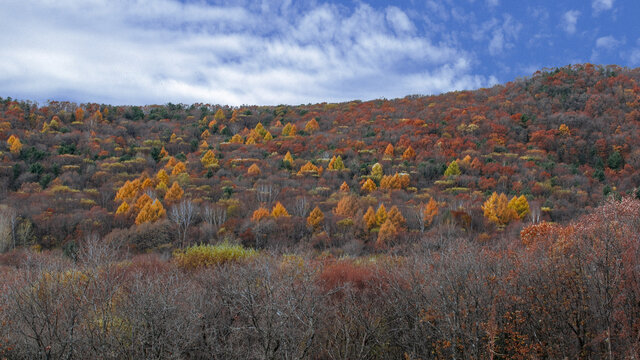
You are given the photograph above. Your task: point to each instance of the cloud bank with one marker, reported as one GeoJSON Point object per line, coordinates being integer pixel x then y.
{"type": "Point", "coordinates": [158, 51]}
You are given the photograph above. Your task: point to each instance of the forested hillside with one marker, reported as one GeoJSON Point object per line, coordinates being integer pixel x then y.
{"type": "Point", "coordinates": [563, 139]}
{"type": "Point", "coordinates": [496, 223]}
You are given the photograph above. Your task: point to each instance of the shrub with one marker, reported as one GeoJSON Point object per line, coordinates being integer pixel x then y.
{"type": "Point", "coordinates": [212, 255]}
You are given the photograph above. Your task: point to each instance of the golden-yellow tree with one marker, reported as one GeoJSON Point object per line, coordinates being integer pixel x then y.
{"type": "Point", "coordinates": [259, 214]}
{"type": "Point", "coordinates": [376, 172]}
{"type": "Point", "coordinates": [336, 163]}
{"type": "Point", "coordinates": [520, 205]}
{"type": "Point", "coordinates": [179, 168]}
{"type": "Point", "coordinates": [151, 212]}
{"type": "Point", "coordinates": [389, 151]}
{"type": "Point", "coordinates": [381, 215]}
{"type": "Point", "coordinates": [174, 193]}
{"type": "Point", "coordinates": [14, 144]}
{"type": "Point", "coordinates": [369, 186]}
{"type": "Point", "coordinates": [311, 126]}
{"type": "Point", "coordinates": [123, 208]}
{"type": "Point", "coordinates": [496, 209]}
{"type": "Point", "coordinates": [409, 154]}
{"type": "Point", "coordinates": [315, 218]}
{"type": "Point", "coordinates": [288, 158]}
{"type": "Point", "coordinates": [209, 160]}
{"type": "Point", "coordinates": [370, 218]}
{"type": "Point", "coordinates": [253, 170]}
{"type": "Point", "coordinates": [396, 217]}
{"type": "Point", "coordinates": [279, 211]}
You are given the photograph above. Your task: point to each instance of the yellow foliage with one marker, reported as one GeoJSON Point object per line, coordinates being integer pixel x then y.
{"type": "Point", "coordinates": [344, 187]}
{"type": "Point", "coordinates": [151, 212]}
{"type": "Point", "coordinates": [496, 209]}
{"type": "Point", "coordinates": [219, 116]}
{"type": "Point", "coordinates": [336, 163]}
{"type": "Point", "coordinates": [369, 186]}
{"type": "Point", "coordinates": [279, 211]}
{"type": "Point", "coordinates": [396, 217]}
{"type": "Point", "coordinates": [236, 139]}
{"type": "Point", "coordinates": [205, 134]}
{"type": "Point", "coordinates": [174, 193]}
{"type": "Point", "coordinates": [128, 191]}
{"type": "Point", "coordinates": [381, 215]}
{"type": "Point", "coordinates": [520, 205]}
{"type": "Point", "coordinates": [376, 172]}
{"type": "Point", "coordinates": [123, 208]}
{"type": "Point", "coordinates": [162, 176]}
{"type": "Point", "coordinates": [311, 126]}
{"type": "Point", "coordinates": [309, 168]}
{"type": "Point", "coordinates": [315, 218]}
{"type": "Point", "coordinates": [142, 201]}
{"type": "Point", "coordinates": [209, 160]}
{"type": "Point", "coordinates": [268, 136]}
{"type": "Point", "coordinates": [15, 145]}
{"type": "Point", "coordinates": [212, 255]}
{"type": "Point", "coordinates": [179, 168]}
{"type": "Point", "coordinates": [259, 214]}
{"type": "Point", "coordinates": [253, 170]}
{"type": "Point", "coordinates": [163, 153]}
{"type": "Point", "coordinates": [409, 154]}
{"type": "Point", "coordinates": [388, 151]}
{"type": "Point", "coordinates": [288, 158]}
{"type": "Point", "coordinates": [370, 218]}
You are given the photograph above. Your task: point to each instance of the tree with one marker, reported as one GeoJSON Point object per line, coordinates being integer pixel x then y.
{"type": "Point", "coordinates": [209, 160]}
{"type": "Point", "coordinates": [315, 218]}
{"type": "Point", "coordinates": [496, 209]}
{"type": "Point", "coordinates": [370, 218]}
{"type": "Point", "coordinates": [183, 215]}
{"type": "Point", "coordinates": [14, 144]}
{"type": "Point", "coordinates": [219, 116]}
{"type": "Point", "coordinates": [376, 172]}
{"type": "Point", "coordinates": [369, 186]}
{"type": "Point", "coordinates": [123, 208]}
{"type": "Point", "coordinates": [429, 211]}
{"type": "Point", "coordinates": [453, 169]}
{"type": "Point", "coordinates": [346, 207]}
{"type": "Point", "coordinates": [311, 126]}
{"type": "Point", "coordinates": [174, 194]}
{"type": "Point", "coordinates": [259, 214]}
{"type": "Point", "coordinates": [288, 159]}
{"type": "Point", "coordinates": [236, 139]}
{"type": "Point", "coordinates": [389, 151]}
{"type": "Point", "coordinates": [279, 211]}
{"type": "Point", "coordinates": [336, 163]}
{"type": "Point", "coordinates": [615, 160]}
{"type": "Point", "coordinates": [381, 215]}
{"type": "Point", "coordinates": [79, 114]}
{"type": "Point", "coordinates": [162, 176]}
{"type": "Point", "coordinates": [520, 205]}
{"type": "Point", "coordinates": [396, 217]}
{"type": "Point", "coordinates": [151, 212]}
{"type": "Point", "coordinates": [179, 169]}
{"type": "Point", "coordinates": [344, 187]}
{"type": "Point", "coordinates": [253, 170]}
{"type": "Point", "coordinates": [386, 235]}
{"type": "Point", "coordinates": [409, 154]}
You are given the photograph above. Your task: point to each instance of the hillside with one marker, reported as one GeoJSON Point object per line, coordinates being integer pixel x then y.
{"type": "Point", "coordinates": [563, 138]}
{"type": "Point", "coordinates": [497, 223]}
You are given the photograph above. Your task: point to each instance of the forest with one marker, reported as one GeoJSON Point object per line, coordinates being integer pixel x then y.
{"type": "Point", "coordinates": [497, 223]}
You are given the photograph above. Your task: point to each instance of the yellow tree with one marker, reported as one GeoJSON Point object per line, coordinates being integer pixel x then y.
{"type": "Point", "coordinates": [369, 186]}
{"type": "Point", "coordinates": [381, 215]}
{"type": "Point", "coordinates": [259, 214]}
{"type": "Point", "coordinates": [309, 168]}
{"type": "Point", "coordinates": [253, 170]}
{"type": "Point", "coordinates": [388, 151]}
{"type": "Point", "coordinates": [370, 218]}
{"type": "Point", "coordinates": [453, 169]}
{"type": "Point", "coordinates": [496, 209]}
{"type": "Point", "coordinates": [174, 193]}
{"type": "Point", "coordinates": [520, 205]}
{"type": "Point", "coordinates": [142, 201]}
{"type": "Point", "coordinates": [311, 126]}
{"type": "Point", "coordinates": [236, 139]}
{"type": "Point", "coordinates": [268, 136]}
{"type": "Point", "coordinates": [315, 218]}
{"type": "Point", "coordinates": [79, 114]}
{"type": "Point", "coordinates": [127, 191]}
{"type": "Point", "coordinates": [396, 217]}
{"type": "Point", "coordinates": [288, 158]}
{"type": "Point", "coordinates": [279, 211]}
{"type": "Point", "coordinates": [409, 154]}
{"type": "Point", "coordinates": [163, 153]}
{"type": "Point", "coordinates": [179, 168]}
{"type": "Point", "coordinates": [205, 134]}
{"type": "Point", "coordinates": [123, 208]}
{"type": "Point", "coordinates": [386, 235]}
{"type": "Point", "coordinates": [376, 172]}
{"type": "Point", "coordinates": [151, 212]}
{"type": "Point", "coordinates": [346, 207]}
{"type": "Point", "coordinates": [336, 163]}
{"type": "Point", "coordinates": [162, 176]}
{"type": "Point", "coordinates": [260, 130]}
{"type": "Point", "coordinates": [429, 212]}
{"type": "Point", "coordinates": [209, 160]}
{"type": "Point", "coordinates": [219, 116]}
{"type": "Point", "coordinates": [286, 130]}
{"type": "Point", "coordinates": [344, 187]}
{"type": "Point", "coordinates": [14, 144]}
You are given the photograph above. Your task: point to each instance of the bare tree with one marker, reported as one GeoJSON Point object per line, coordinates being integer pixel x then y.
{"type": "Point", "coordinates": [301, 206]}
{"type": "Point", "coordinates": [183, 214]}
{"type": "Point", "coordinates": [267, 192]}
{"type": "Point", "coordinates": [215, 215]}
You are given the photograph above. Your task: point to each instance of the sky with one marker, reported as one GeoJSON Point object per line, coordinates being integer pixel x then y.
{"type": "Point", "coordinates": [269, 52]}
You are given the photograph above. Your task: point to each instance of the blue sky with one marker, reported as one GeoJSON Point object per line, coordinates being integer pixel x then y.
{"type": "Point", "coordinates": [286, 52]}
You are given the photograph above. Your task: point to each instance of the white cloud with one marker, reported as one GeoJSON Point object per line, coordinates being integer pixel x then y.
{"type": "Point", "coordinates": [493, 3]}
{"type": "Point", "coordinates": [501, 35]}
{"type": "Point", "coordinates": [158, 51]}
{"type": "Point", "coordinates": [601, 5]}
{"type": "Point", "coordinates": [634, 57]}
{"type": "Point", "coordinates": [570, 20]}
{"type": "Point", "coordinates": [608, 42]}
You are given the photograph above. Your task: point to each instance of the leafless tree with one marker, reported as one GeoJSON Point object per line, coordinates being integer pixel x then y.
{"type": "Point", "coordinates": [215, 215]}
{"type": "Point", "coordinates": [301, 206]}
{"type": "Point", "coordinates": [183, 215]}
{"type": "Point", "coordinates": [266, 192]}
